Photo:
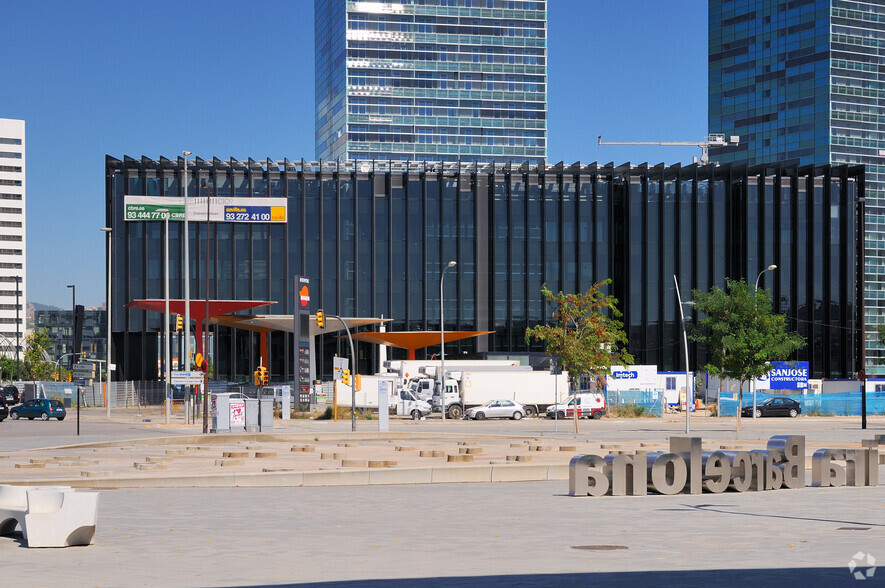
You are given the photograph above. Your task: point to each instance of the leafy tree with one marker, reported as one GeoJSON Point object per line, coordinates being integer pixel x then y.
{"type": "Point", "coordinates": [741, 333]}
{"type": "Point", "coordinates": [7, 367]}
{"type": "Point", "coordinates": [35, 364]}
{"type": "Point", "coordinates": [586, 335]}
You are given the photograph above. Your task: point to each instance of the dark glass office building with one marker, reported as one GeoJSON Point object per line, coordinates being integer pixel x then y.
{"type": "Point", "coordinates": [374, 237]}
{"type": "Point", "coordinates": [802, 82]}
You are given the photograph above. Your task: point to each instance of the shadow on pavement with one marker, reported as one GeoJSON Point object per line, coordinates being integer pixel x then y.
{"type": "Point", "coordinates": [701, 578]}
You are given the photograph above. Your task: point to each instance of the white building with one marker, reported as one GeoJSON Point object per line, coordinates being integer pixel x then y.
{"type": "Point", "coordinates": [12, 234]}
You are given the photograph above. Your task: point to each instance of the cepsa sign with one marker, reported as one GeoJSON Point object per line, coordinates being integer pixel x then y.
{"type": "Point", "coordinates": [785, 375]}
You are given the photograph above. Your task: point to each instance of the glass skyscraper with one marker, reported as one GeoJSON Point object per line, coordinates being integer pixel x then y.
{"type": "Point", "coordinates": [431, 80]}
{"type": "Point", "coordinates": [803, 82]}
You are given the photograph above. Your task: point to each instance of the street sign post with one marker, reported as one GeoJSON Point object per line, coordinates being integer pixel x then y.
{"type": "Point", "coordinates": [187, 378]}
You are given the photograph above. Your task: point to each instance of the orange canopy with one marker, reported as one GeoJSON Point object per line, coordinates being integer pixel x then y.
{"type": "Point", "coordinates": [413, 340]}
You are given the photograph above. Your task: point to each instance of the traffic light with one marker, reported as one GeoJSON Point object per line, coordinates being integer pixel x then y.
{"type": "Point", "coordinates": [256, 377]}
{"type": "Point", "coordinates": [321, 319]}
{"type": "Point", "coordinates": [265, 377]}
{"type": "Point", "coordinates": [201, 363]}
{"type": "Point", "coordinates": [358, 381]}
{"type": "Point", "coordinates": [345, 377]}
{"type": "Point", "coordinates": [179, 322]}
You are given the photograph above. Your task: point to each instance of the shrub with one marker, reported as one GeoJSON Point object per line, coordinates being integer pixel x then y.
{"type": "Point", "coordinates": [630, 410]}
{"type": "Point", "coordinates": [817, 411]}
{"type": "Point", "coordinates": [712, 410]}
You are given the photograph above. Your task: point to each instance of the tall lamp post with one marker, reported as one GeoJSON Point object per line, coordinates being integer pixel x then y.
{"type": "Point", "coordinates": [772, 267]}
{"type": "Point", "coordinates": [166, 364]}
{"type": "Point", "coordinates": [18, 291]}
{"type": "Point", "coordinates": [107, 403]}
{"type": "Point", "coordinates": [187, 277]}
{"type": "Point", "coordinates": [73, 288]}
{"type": "Point", "coordinates": [442, 343]}
{"type": "Point", "coordinates": [687, 372]}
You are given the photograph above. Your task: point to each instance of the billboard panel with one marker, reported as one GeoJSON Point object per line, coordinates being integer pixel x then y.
{"type": "Point", "coordinates": [231, 210]}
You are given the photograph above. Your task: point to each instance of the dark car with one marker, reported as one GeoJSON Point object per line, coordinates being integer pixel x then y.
{"type": "Point", "coordinates": [45, 408]}
{"type": "Point", "coordinates": [4, 410]}
{"type": "Point", "coordinates": [777, 406]}
{"type": "Point", "coordinates": [10, 393]}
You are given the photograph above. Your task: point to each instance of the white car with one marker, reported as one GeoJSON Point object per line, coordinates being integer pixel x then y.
{"type": "Point", "coordinates": [497, 409]}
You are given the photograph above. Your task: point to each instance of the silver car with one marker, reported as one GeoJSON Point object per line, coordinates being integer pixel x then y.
{"type": "Point", "coordinates": [497, 409]}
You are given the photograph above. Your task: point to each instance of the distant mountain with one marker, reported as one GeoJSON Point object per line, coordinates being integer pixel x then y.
{"type": "Point", "coordinates": [32, 306]}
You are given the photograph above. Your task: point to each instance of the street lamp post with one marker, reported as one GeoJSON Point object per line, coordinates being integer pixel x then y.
{"type": "Point", "coordinates": [18, 291]}
{"type": "Point", "coordinates": [73, 288]}
{"type": "Point", "coordinates": [442, 343]}
{"type": "Point", "coordinates": [772, 267]}
{"type": "Point", "coordinates": [187, 277]}
{"type": "Point", "coordinates": [166, 364]}
{"type": "Point", "coordinates": [685, 342]}
{"type": "Point", "coordinates": [109, 232]}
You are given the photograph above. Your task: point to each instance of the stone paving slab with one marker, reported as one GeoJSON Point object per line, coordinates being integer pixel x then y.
{"type": "Point", "coordinates": [487, 534]}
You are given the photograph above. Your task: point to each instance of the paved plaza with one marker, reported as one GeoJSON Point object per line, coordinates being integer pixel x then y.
{"type": "Point", "coordinates": [507, 533]}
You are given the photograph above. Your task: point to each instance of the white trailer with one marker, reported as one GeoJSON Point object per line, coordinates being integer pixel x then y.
{"type": "Point", "coordinates": [536, 390]}
{"type": "Point", "coordinates": [408, 368]}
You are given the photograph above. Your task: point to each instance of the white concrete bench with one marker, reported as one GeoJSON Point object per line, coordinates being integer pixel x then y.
{"type": "Point", "coordinates": [49, 516]}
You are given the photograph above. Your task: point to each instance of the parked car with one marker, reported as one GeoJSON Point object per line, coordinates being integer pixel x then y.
{"type": "Point", "coordinates": [497, 409]}
{"type": "Point", "coordinates": [10, 393]}
{"type": "Point", "coordinates": [591, 405]}
{"type": "Point", "coordinates": [776, 406]}
{"type": "Point", "coordinates": [4, 409]}
{"type": "Point", "coordinates": [45, 408]}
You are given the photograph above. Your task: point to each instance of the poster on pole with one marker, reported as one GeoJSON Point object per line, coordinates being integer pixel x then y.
{"type": "Point", "coordinates": [231, 210]}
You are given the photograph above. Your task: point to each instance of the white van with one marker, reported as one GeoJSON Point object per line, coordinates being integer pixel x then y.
{"type": "Point", "coordinates": [590, 405]}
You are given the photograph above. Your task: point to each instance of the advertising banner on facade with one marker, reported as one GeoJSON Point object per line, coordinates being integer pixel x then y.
{"type": "Point", "coordinates": [231, 210]}
{"type": "Point", "coordinates": [786, 375]}
{"type": "Point", "coordinates": [633, 377]}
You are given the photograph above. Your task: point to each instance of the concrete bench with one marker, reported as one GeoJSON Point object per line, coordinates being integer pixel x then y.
{"type": "Point", "coordinates": [49, 516]}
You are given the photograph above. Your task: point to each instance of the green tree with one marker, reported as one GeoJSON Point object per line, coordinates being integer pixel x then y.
{"type": "Point", "coordinates": [586, 334]}
{"type": "Point", "coordinates": [35, 364]}
{"type": "Point", "coordinates": [741, 333]}
{"type": "Point", "coordinates": [7, 367]}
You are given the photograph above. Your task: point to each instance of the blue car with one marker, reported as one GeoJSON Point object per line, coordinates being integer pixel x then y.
{"type": "Point", "coordinates": [45, 408]}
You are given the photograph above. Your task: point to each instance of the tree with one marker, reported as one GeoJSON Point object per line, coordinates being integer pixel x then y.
{"type": "Point", "coordinates": [741, 333]}
{"type": "Point", "coordinates": [7, 367]}
{"type": "Point", "coordinates": [586, 335]}
{"type": "Point", "coordinates": [35, 364]}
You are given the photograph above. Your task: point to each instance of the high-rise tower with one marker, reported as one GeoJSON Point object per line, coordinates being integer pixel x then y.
{"type": "Point", "coordinates": [803, 81]}
{"type": "Point", "coordinates": [434, 80]}
{"type": "Point", "coordinates": [12, 235]}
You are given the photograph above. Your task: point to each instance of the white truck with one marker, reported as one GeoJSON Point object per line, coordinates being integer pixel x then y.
{"type": "Point", "coordinates": [405, 402]}
{"type": "Point", "coordinates": [535, 390]}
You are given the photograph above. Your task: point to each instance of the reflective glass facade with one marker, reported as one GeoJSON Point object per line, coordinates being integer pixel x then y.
{"type": "Point", "coordinates": [373, 237]}
{"type": "Point", "coordinates": [803, 81]}
{"type": "Point", "coordinates": [435, 80]}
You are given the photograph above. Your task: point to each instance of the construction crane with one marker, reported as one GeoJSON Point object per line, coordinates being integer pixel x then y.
{"type": "Point", "coordinates": [713, 140]}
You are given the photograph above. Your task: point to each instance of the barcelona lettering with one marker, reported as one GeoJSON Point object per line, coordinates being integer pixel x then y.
{"type": "Point", "coordinates": [688, 469]}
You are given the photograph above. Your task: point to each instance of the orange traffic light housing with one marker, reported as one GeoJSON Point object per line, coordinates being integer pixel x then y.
{"type": "Point", "coordinates": [179, 322]}
{"type": "Point", "coordinates": [321, 319]}
{"type": "Point", "coordinates": [345, 377]}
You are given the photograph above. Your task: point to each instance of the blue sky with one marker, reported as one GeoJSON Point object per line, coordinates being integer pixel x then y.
{"type": "Point", "coordinates": [229, 79]}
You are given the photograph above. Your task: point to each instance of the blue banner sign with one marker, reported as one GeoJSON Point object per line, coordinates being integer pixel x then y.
{"type": "Point", "coordinates": [785, 375]}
